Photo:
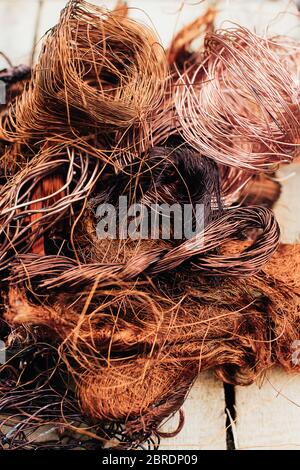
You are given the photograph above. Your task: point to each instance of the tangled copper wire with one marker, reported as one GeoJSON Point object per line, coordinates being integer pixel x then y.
{"type": "Point", "coordinates": [107, 336]}
{"type": "Point", "coordinates": [235, 111]}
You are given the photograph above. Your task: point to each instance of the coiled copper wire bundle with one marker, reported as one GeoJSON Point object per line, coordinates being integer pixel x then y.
{"type": "Point", "coordinates": [107, 75]}
{"type": "Point", "coordinates": [233, 110]}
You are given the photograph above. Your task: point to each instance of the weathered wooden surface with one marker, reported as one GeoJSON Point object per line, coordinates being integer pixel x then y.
{"type": "Point", "coordinates": [204, 418]}
{"type": "Point", "coordinates": [267, 415]}
{"type": "Point", "coordinates": [17, 29]}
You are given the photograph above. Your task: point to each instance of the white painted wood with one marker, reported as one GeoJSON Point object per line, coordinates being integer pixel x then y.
{"type": "Point", "coordinates": [17, 26]}
{"type": "Point", "coordinates": [205, 418]}
{"type": "Point", "coordinates": [267, 16]}
{"type": "Point", "coordinates": [268, 417]}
